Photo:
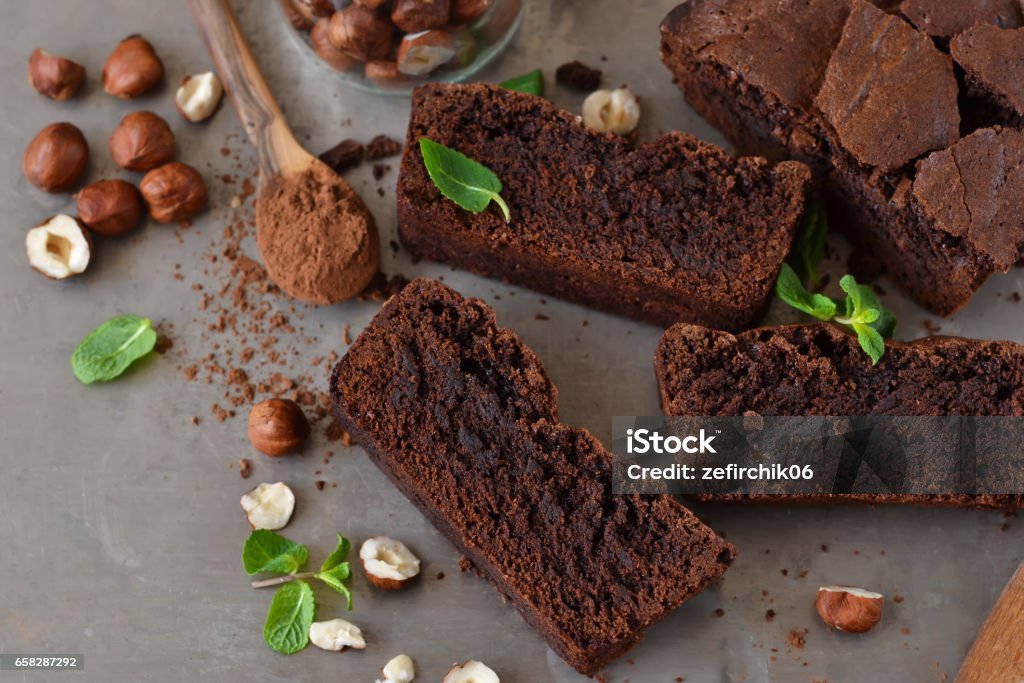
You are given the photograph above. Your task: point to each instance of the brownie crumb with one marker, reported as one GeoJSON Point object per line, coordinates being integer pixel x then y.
{"type": "Point", "coordinates": [380, 170]}
{"type": "Point", "coordinates": [769, 615]}
{"type": "Point", "coordinates": [719, 612]}
{"type": "Point", "coordinates": [798, 638]}
{"type": "Point", "coordinates": [931, 327]}
{"type": "Point", "coordinates": [343, 156]}
{"type": "Point", "coordinates": [195, 420]}
{"type": "Point", "coordinates": [824, 548]}
{"type": "Point", "coordinates": [244, 468]}
{"type": "Point", "coordinates": [905, 631]}
{"type": "Point", "coordinates": [578, 76]}
{"type": "Point", "coordinates": [465, 565]}
{"type": "Point", "coordinates": [440, 576]}
{"type": "Point", "coordinates": [382, 147]}
{"type": "Point", "coordinates": [346, 334]}
{"type": "Point", "coordinates": [1015, 297]}
{"type": "Point", "coordinates": [320, 484]}
{"type": "Point", "coordinates": [897, 599]}
{"type": "Point", "coordinates": [785, 572]}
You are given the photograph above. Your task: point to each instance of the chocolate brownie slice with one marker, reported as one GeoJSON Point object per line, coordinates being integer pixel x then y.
{"type": "Point", "coordinates": [461, 416]}
{"type": "Point", "coordinates": [993, 63]}
{"type": "Point", "coordinates": [943, 19]}
{"type": "Point", "coordinates": [663, 232]}
{"type": "Point", "coordinates": [819, 369]}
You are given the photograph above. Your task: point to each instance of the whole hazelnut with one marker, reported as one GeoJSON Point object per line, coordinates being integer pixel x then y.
{"type": "Point", "coordinates": [297, 19]}
{"type": "Point", "coordinates": [54, 76]}
{"type": "Point", "coordinates": [175, 192]}
{"type": "Point", "coordinates": [369, 4]}
{"type": "Point", "coordinates": [110, 207]}
{"type": "Point", "coordinates": [385, 74]}
{"type": "Point", "coordinates": [319, 38]}
{"type": "Point", "coordinates": [277, 426]}
{"type": "Point", "coordinates": [59, 248]}
{"type": "Point", "coordinates": [56, 157]}
{"type": "Point", "coordinates": [853, 610]}
{"type": "Point", "coordinates": [422, 53]}
{"type": "Point", "coordinates": [466, 11]}
{"type": "Point", "coordinates": [132, 68]}
{"type": "Point", "coordinates": [413, 16]}
{"type": "Point", "coordinates": [361, 33]}
{"type": "Point", "coordinates": [142, 141]}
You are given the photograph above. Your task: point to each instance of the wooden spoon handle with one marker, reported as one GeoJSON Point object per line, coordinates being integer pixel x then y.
{"type": "Point", "coordinates": [248, 89]}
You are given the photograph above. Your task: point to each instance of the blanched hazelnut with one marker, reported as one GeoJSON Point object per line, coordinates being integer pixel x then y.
{"type": "Point", "coordinates": [132, 68]}
{"type": "Point", "coordinates": [110, 207]}
{"type": "Point", "coordinates": [389, 564]}
{"type": "Point", "coordinates": [466, 11]}
{"type": "Point", "coordinates": [611, 111]}
{"type": "Point", "coordinates": [174, 192]}
{"type": "Point", "coordinates": [413, 16]}
{"type": "Point", "coordinates": [422, 53]}
{"type": "Point", "coordinates": [385, 74]}
{"type": "Point", "coordinates": [320, 39]}
{"type": "Point", "coordinates": [277, 426]}
{"type": "Point", "coordinates": [59, 248]}
{"type": "Point", "coordinates": [198, 96]}
{"type": "Point", "coordinates": [142, 141]}
{"type": "Point", "coordinates": [336, 635]}
{"type": "Point", "coordinates": [54, 76]}
{"type": "Point", "coordinates": [269, 506]}
{"type": "Point", "coordinates": [361, 33]}
{"type": "Point", "coordinates": [56, 157]}
{"type": "Point", "coordinates": [399, 670]}
{"type": "Point", "coordinates": [471, 672]}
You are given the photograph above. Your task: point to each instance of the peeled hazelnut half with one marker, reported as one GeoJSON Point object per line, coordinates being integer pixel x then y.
{"type": "Point", "coordinates": [611, 111]}
{"type": "Point", "coordinates": [466, 11]}
{"type": "Point", "coordinates": [399, 670]}
{"type": "Point", "coordinates": [54, 76]}
{"type": "Point", "coordinates": [422, 53]}
{"type": "Point", "coordinates": [853, 610]}
{"type": "Point", "coordinates": [132, 68]}
{"type": "Point", "coordinates": [174, 192]}
{"type": "Point", "coordinates": [269, 506]}
{"type": "Point", "coordinates": [304, 13]}
{"type": "Point", "coordinates": [336, 635]}
{"type": "Point", "coordinates": [277, 426]}
{"type": "Point", "coordinates": [110, 207]}
{"type": "Point", "coordinates": [361, 33]}
{"type": "Point", "coordinates": [141, 142]}
{"type": "Point", "coordinates": [389, 564]}
{"type": "Point", "coordinates": [199, 96]}
{"type": "Point", "coordinates": [59, 248]}
{"type": "Point", "coordinates": [413, 16]}
{"type": "Point", "coordinates": [320, 40]}
{"type": "Point", "coordinates": [56, 157]}
{"type": "Point", "coordinates": [471, 672]}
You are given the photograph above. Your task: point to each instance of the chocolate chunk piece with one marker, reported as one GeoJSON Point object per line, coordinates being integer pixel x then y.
{"type": "Point", "coordinates": [343, 156]}
{"type": "Point", "coordinates": [944, 19]}
{"type": "Point", "coordinates": [993, 62]}
{"type": "Point", "coordinates": [975, 190]}
{"type": "Point", "coordinates": [820, 369]}
{"type": "Point", "coordinates": [676, 229]}
{"type": "Point", "coordinates": [578, 77]}
{"type": "Point", "coordinates": [382, 147]}
{"type": "Point", "coordinates": [889, 93]}
{"type": "Point", "coordinates": [461, 416]}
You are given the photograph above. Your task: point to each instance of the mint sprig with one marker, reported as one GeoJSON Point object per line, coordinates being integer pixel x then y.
{"type": "Point", "coordinates": [291, 613]}
{"type": "Point", "coordinates": [530, 83]}
{"type": "Point", "coordinates": [810, 244]}
{"type": "Point", "coordinates": [107, 351]}
{"type": "Point", "coordinates": [469, 184]}
{"type": "Point", "coordinates": [862, 311]}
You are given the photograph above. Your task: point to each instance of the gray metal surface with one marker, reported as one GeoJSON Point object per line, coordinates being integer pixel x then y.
{"type": "Point", "coordinates": [120, 529]}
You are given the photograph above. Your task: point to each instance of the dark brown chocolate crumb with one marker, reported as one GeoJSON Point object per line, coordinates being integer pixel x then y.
{"type": "Point", "coordinates": [798, 638]}
{"type": "Point", "coordinates": [382, 147]}
{"type": "Point", "coordinates": [465, 565]}
{"type": "Point", "coordinates": [931, 327]}
{"type": "Point", "coordinates": [346, 334]}
{"type": "Point", "coordinates": [769, 615]}
{"type": "Point", "coordinates": [897, 599]}
{"type": "Point", "coordinates": [320, 485]}
{"type": "Point", "coordinates": [440, 576]}
{"type": "Point", "coordinates": [244, 468]}
{"type": "Point", "coordinates": [905, 631]}
{"type": "Point", "coordinates": [719, 612]}
{"type": "Point", "coordinates": [541, 316]}
{"type": "Point", "coordinates": [195, 419]}
{"type": "Point", "coordinates": [1015, 297]}
{"type": "Point", "coordinates": [802, 574]}
{"type": "Point", "coordinates": [824, 548]}
{"type": "Point", "coordinates": [785, 572]}
{"type": "Point", "coordinates": [578, 76]}
{"type": "Point", "coordinates": [343, 156]}
{"type": "Point", "coordinates": [380, 170]}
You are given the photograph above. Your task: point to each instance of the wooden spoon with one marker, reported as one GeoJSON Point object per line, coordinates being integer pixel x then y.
{"type": "Point", "coordinates": [318, 240]}
{"type": "Point", "coordinates": [998, 652]}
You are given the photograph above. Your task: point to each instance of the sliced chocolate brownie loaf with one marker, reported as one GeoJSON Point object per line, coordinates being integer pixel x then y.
{"type": "Point", "coordinates": [864, 104]}
{"type": "Point", "coordinates": [675, 230]}
{"type": "Point", "coordinates": [461, 417]}
{"type": "Point", "coordinates": [819, 369]}
{"type": "Point", "coordinates": [992, 60]}
{"type": "Point", "coordinates": [943, 19]}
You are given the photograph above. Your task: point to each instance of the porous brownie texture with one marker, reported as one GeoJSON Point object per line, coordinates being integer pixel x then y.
{"type": "Point", "coordinates": [943, 19]}
{"type": "Point", "coordinates": [820, 369]}
{"type": "Point", "coordinates": [992, 60]}
{"type": "Point", "coordinates": [461, 416]}
{"type": "Point", "coordinates": [675, 230]}
{"type": "Point", "coordinates": [877, 100]}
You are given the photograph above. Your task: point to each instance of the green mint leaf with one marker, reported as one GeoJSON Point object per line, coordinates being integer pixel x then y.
{"type": "Point", "coordinates": [531, 83]}
{"type": "Point", "coordinates": [789, 288]}
{"type": "Point", "coordinates": [885, 325]}
{"type": "Point", "coordinates": [469, 184]}
{"type": "Point", "coordinates": [810, 243]}
{"type": "Point", "coordinates": [858, 297]}
{"type": "Point", "coordinates": [268, 552]}
{"type": "Point", "coordinates": [291, 614]}
{"type": "Point", "coordinates": [338, 556]}
{"type": "Point", "coordinates": [871, 341]}
{"type": "Point", "coordinates": [108, 350]}
{"type": "Point", "coordinates": [335, 578]}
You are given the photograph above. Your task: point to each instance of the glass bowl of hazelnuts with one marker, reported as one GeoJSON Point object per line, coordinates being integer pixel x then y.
{"type": "Point", "coordinates": [391, 46]}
